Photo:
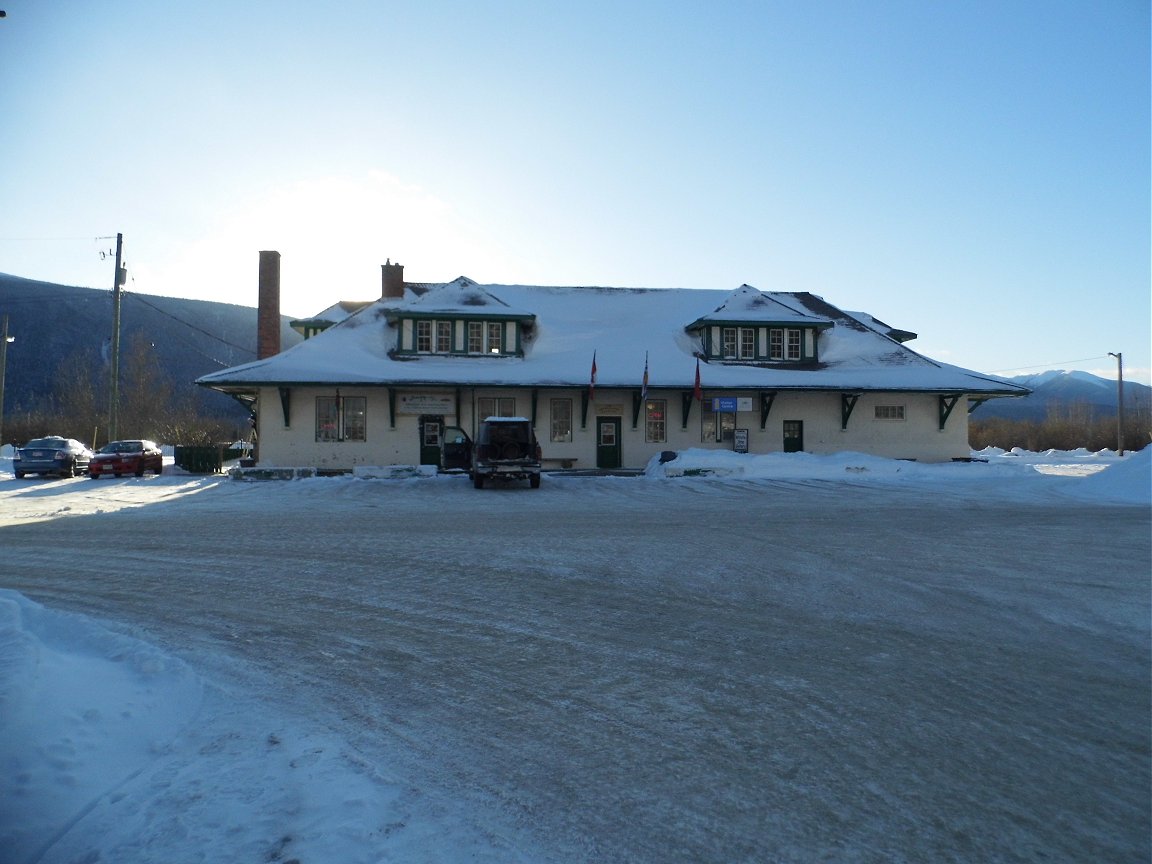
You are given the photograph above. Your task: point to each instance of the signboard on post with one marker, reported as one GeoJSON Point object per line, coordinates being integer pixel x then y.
{"type": "Point", "coordinates": [740, 441]}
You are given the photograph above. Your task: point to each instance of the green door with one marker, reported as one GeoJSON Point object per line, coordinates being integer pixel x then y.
{"type": "Point", "coordinates": [431, 436]}
{"type": "Point", "coordinates": [608, 442]}
{"type": "Point", "coordinates": [793, 436]}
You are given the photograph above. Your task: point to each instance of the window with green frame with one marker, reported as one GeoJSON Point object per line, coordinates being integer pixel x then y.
{"type": "Point", "coordinates": [485, 337]}
{"type": "Point", "coordinates": [495, 406]}
{"type": "Point", "coordinates": [656, 421]}
{"type": "Point", "coordinates": [560, 419]}
{"type": "Point", "coordinates": [716, 425]}
{"type": "Point", "coordinates": [341, 418]}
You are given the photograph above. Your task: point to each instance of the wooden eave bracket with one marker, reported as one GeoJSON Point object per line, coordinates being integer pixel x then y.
{"type": "Point", "coordinates": [947, 403]}
{"type": "Point", "coordinates": [766, 400]}
{"type": "Point", "coordinates": [847, 406]}
{"type": "Point", "coordinates": [286, 404]}
{"type": "Point", "coordinates": [686, 400]}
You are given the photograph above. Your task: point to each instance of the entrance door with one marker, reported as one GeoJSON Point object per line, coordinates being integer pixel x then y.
{"type": "Point", "coordinates": [608, 442]}
{"type": "Point", "coordinates": [431, 436]}
{"type": "Point", "coordinates": [793, 436]}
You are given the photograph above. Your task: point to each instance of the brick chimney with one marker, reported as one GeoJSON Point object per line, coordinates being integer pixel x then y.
{"type": "Point", "coordinates": [392, 276]}
{"type": "Point", "coordinates": [268, 308]}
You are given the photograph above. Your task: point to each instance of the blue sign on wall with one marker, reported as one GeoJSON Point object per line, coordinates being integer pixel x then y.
{"type": "Point", "coordinates": [724, 403]}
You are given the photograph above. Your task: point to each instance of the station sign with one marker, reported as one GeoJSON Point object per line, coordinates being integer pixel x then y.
{"type": "Point", "coordinates": [425, 403]}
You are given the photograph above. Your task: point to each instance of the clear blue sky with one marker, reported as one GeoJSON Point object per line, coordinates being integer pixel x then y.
{"type": "Point", "coordinates": [977, 172]}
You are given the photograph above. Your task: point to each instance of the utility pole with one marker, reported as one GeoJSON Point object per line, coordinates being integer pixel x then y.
{"type": "Point", "coordinates": [4, 340]}
{"type": "Point", "coordinates": [1119, 355]}
{"type": "Point", "coordinates": [114, 388]}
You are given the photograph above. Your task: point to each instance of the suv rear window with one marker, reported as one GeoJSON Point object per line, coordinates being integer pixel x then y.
{"type": "Point", "coordinates": [507, 433]}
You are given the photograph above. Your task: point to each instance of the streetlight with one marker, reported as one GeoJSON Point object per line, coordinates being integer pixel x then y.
{"type": "Point", "coordinates": [4, 340]}
{"type": "Point", "coordinates": [1119, 355]}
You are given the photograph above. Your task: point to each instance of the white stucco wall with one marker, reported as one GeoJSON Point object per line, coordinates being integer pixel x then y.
{"type": "Point", "coordinates": [917, 436]}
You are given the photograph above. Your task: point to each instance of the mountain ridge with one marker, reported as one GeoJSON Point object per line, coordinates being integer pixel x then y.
{"type": "Point", "coordinates": [51, 324]}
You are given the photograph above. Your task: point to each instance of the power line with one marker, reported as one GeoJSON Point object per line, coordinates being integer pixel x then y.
{"type": "Point", "coordinates": [140, 299]}
{"type": "Point", "coordinates": [1045, 365]}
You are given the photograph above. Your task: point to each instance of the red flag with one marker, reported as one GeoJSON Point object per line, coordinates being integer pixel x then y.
{"type": "Point", "coordinates": [697, 392]}
{"type": "Point", "coordinates": [592, 380]}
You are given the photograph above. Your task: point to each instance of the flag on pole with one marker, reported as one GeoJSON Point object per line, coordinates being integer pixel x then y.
{"type": "Point", "coordinates": [696, 391]}
{"type": "Point", "coordinates": [592, 380]}
{"type": "Point", "coordinates": [644, 384]}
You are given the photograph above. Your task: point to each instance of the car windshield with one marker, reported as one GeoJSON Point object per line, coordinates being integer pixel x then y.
{"type": "Point", "coordinates": [45, 442]}
{"type": "Point", "coordinates": [122, 447]}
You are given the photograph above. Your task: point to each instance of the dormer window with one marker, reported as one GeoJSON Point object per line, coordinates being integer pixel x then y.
{"type": "Point", "coordinates": [785, 343]}
{"type": "Point", "coordinates": [753, 328]}
{"type": "Point", "coordinates": [738, 344]}
{"type": "Point", "coordinates": [460, 319]}
{"type": "Point", "coordinates": [485, 337]}
{"type": "Point", "coordinates": [434, 337]}
{"type": "Point", "coordinates": [439, 336]}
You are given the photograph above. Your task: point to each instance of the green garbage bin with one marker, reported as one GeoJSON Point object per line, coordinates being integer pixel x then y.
{"type": "Point", "coordinates": [199, 458]}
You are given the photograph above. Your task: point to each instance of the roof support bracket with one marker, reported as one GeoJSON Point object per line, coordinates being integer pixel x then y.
{"type": "Point", "coordinates": [847, 406]}
{"type": "Point", "coordinates": [686, 400]}
{"type": "Point", "coordinates": [584, 400]}
{"type": "Point", "coordinates": [392, 407]}
{"type": "Point", "coordinates": [535, 402]}
{"type": "Point", "coordinates": [947, 403]}
{"type": "Point", "coordinates": [637, 403]}
{"type": "Point", "coordinates": [286, 405]}
{"type": "Point", "coordinates": [766, 400]}
{"type": "Point", "coordinates": [973, 404]}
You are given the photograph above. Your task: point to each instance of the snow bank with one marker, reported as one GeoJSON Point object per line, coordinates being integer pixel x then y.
{"type": "Point", "coordinates": [1102, 475]}
{"type": "Point", "coordinates": [82, 710]}
{"type": "Point", "coordinates": [1127, 480]}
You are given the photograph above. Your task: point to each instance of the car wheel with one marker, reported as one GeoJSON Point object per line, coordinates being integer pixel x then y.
{"type": "Point", "coordinates": [159, 470]}
{"type": "Point", "coordinates": [478, 481]}
{"type": "Point", "coordinates": [534, 481]}
{"type": "Point", "coordinates": [115, 473]}
{"type": "Point", "coordinates": [19, 475]}
{"type": "Point", "coordinates": [94, 476]}
{"type": "Point", "coordinates": [69, 470]}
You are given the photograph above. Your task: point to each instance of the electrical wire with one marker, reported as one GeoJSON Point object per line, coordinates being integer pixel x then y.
{"type": "Point", "coordinates": [1044, 365]}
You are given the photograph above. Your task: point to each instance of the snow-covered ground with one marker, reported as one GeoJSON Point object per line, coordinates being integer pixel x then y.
{"type": "Point", "coordinates": [731, 658]}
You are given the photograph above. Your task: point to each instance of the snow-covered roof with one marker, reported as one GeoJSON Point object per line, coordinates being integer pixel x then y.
{"type": "Point", "coordinates": [460, 298]}
{"type": "Point", "coordinates": [749, 305]}
{"type": "Point", "coordinates": [336, 312]}
{"type": "Point", "coordinates": [624, 328]}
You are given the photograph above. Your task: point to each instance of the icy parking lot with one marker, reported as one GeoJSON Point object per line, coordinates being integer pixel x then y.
{"type": "Point", "coordinates": [839, 659]}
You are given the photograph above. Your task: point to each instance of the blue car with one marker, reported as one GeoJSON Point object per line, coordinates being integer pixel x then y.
{"type": "Point", "coordinates": [52, 455]}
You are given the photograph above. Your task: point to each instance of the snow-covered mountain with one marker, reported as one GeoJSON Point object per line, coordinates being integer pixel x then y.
{"type": "Point", "coordinates": [58, 328]}
{"type": "Point", "coordinates": [1059, 390]}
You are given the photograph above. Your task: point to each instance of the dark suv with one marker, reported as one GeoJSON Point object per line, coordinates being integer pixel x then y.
{"type": "Point", "coordinates": [506, 448]}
